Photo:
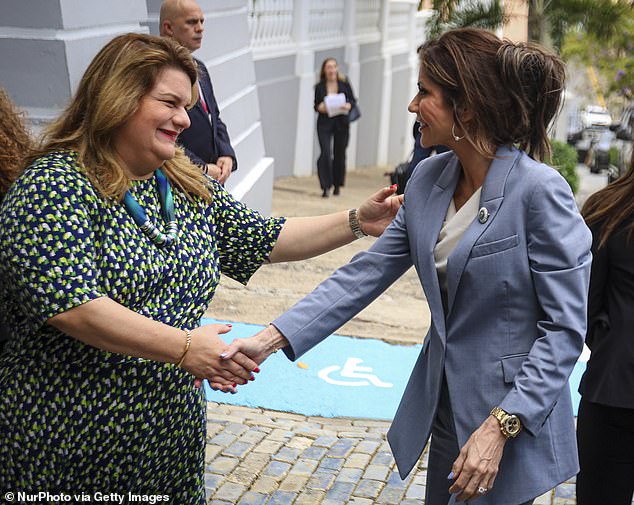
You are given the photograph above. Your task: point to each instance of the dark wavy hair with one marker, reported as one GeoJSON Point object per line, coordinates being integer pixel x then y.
{"type": "Point", "coordinates": [15, 142]}
{"type": "Point", "coordinates": [612, 206]}
{"type": "Point", "coordinates": [513, 91]}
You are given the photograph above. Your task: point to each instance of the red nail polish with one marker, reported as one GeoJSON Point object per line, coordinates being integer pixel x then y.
{"type": "Point", "coordinates": [256, 369]}
{"type": "Point", "coordinates": [252, 378]}
{"type": "Point", "coordinates": [234, 385]}
{"type": "Point", "coordinates": [229, 325]}
{"type": "Point", "coordinates": [393, 186]}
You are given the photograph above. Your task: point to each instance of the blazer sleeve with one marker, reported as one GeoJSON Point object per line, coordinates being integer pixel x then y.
{"type": "Point", "coordinates": [223, 142]}
{"type": "Point", "coordinates": [597, 311]}
{"type": "Point", "coordinates": [347, 291]}
{"type": "Point", "coordinates": [320, 93]}
{"type": "Point", "coordinates": [558, 247]}
{"type": "Point", "coordinates": [350, 98]}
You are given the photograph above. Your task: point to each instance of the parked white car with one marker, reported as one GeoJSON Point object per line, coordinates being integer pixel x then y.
{"type": "Point", "coordinates": [595, 116]}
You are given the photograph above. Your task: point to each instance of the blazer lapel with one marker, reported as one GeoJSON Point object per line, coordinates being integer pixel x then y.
{"type": "Point", "coordinates": [491, 198]}
{"type": "Point", "coordinates": [434, 213]}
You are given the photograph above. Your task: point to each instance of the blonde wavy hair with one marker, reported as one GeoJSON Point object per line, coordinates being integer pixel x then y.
{"type": "Point", "coordinates": [109, 94]}
{"type": "Point", "coordinates": [15, 142]}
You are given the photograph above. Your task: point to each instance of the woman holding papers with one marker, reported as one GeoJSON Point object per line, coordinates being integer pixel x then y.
{"type": "Point", "coordinates": [333, 100]}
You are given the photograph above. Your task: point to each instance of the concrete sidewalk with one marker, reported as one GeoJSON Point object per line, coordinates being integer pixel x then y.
{"type": "Point", "coordinates": [258, 456]}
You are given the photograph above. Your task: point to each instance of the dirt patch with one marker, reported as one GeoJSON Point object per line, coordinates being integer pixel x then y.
{"type": "Point", "coordinates": [400, 314]}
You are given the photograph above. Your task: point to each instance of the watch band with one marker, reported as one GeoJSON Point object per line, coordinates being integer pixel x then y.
{"type": "Point", "coordinates": [353, 219]}
{"type": "Point", "coordinates": [510, 424]}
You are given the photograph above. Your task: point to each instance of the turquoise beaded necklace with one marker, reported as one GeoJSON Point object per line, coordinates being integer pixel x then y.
{"type": "Point", "coordinates": [167, 211]}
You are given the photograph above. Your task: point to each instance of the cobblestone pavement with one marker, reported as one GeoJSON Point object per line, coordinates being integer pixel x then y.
{"type": "Point", "coordinates": [258, 456]}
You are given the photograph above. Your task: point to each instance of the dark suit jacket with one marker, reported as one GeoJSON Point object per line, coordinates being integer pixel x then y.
{"type": "Point", "coordinates": [205, 141]}
{"type": "Point", "coordinates": [609, 377]}
{"type": "Point", "coordinates": [320, 94]}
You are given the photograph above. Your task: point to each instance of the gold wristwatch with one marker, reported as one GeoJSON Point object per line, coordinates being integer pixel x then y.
{"type": "Point", "coordinates": [510, 424]}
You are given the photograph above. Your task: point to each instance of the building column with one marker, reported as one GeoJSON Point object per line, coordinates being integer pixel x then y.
{"type": "Point", "coordinates": [46, 45]}
{"type": "Point", "coordinates": [354, 73]}
{"type": "Point", "coordinates": [386, 87]}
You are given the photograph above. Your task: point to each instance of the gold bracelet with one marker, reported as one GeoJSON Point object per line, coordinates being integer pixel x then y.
{"type": "Point", "coordinates": [188, 341]}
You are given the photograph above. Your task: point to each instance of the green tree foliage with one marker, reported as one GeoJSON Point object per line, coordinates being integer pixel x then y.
{"type": "Point", "coordinates": [564, 159]}
{"type": "Point", "coordinates": [449, 14]}
{"type": "Point", "coordinates": [612, 57]}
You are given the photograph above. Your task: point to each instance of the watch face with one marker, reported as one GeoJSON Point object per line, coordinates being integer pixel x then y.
{"type": "Point", "coordinates": [512, 425]}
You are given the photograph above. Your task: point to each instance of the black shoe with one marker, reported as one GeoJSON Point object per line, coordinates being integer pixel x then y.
{"type": "Point", "coordinates": [324, 193]}
{"type": "Point", "coordinates": [336, 191]}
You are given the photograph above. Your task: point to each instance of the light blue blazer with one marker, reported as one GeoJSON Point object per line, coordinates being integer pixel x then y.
{"type": "Point", "coordinates": [515, 321]}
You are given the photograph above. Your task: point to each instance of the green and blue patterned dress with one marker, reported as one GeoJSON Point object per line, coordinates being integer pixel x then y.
{"type": "Point", "coordinates": [76, 418]}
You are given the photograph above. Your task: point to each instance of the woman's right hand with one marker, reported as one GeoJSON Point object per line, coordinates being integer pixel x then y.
{"type": "Point", "coordinates": [203, 358]}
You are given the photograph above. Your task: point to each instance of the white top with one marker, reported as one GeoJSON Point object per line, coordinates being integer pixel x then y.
{"type": "Point", "coordinates": [454, 226]}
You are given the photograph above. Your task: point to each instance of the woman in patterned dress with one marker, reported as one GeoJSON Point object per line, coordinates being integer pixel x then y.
{"type": "Point", "coordinates": [107, 264]}
{"type": "Point", "coordinates": [15, 142]}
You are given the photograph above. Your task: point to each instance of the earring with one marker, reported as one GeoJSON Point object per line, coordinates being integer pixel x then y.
{"type": "Point", "coordinates": [453, 132]}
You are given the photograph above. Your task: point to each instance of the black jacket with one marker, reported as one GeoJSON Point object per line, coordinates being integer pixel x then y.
{"type": "Point", "coordinates": [609, 377]}
{"type": "Point", "coordinates": [320, 93]}
{"type": "Point", "coordinates": [206, 141]}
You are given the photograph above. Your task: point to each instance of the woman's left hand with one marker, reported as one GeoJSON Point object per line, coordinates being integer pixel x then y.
{"type": "Point", "coordinates": [477, 464]}
{"type": "Point", "coordinates": [378, 211]}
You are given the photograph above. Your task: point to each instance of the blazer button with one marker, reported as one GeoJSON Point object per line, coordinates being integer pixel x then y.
{"type": "Point", "coordinates": [483, 215]}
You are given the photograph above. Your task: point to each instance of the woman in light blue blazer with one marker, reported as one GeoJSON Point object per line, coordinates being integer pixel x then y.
{"type": "Point", "coordinates": [504, 259]}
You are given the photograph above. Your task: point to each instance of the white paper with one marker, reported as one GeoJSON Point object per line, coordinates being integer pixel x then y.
{"type": "Point", "coordinates": [334, 104]}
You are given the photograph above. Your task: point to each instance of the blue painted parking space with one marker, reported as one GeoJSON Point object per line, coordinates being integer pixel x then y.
{"type": "Point", "coordinates": [341, 377]}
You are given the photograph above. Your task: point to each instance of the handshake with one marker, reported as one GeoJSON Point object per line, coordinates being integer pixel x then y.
{"type": "Point", "coordinates": [226, 366]}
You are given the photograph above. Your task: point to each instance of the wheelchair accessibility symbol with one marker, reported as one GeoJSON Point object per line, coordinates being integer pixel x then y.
{"type": "Point", "coordinates": [352, 370]}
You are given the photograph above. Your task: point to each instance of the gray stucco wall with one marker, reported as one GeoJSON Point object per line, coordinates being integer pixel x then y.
{"type": "Point", "coordinates": [370, 89]}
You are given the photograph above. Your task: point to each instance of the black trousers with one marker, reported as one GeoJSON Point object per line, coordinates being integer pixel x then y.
{"type": "Point", "coordinates": [333, 134]}
{"type": "Point", "coordinates": [605, 436]}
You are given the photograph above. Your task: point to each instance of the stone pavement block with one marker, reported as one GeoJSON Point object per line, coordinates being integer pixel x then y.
{"type": "Point", "coordinates": [394, 480]}
{"type": "Point", "coordinates": [211, 451]}
{"type": "Point", "coordinates": [282, 498]}
{"type": "Point", "coordinates": [222, 465]}
{"type": "Point", "coordinates": [355, 435]}
{"type": "Point", "coordinates": [368, 488]}
{"type": "Point", "coordinates": [390, 496]}
{"type": "Point", "coordinates": [277, 469]}
{"type": "Point", "coordinates": [304, 467]}
{"type": "Point", "coordinates": [340, 492]}
{"type": "Point", "coordinates": [268, 446]}
{"type": "Point", "coordinates": [565, 491]}
{"type": "Point", "coordinates": [321, 480]}
{"type": "Point", "coordinates": [236, 429]}
{"type": "Point", "coordinates": [410, 502]}
{"type": "Point", "coordinates": [300, 443]}
{"type": "Point", "coordinates": [415, 492]}
{"type": "Point", "coordinates": [287, 454]}
{"type": "Point", "coordinates": [341, 449]}
{"type": "Point", "coordinates": [329, 463]}
{"type": "Point", "coordinates": [290, 416]}
{"type": "Point", "coordinates": [314, 453]}
{"type": "Point", "coordinates": [237, 449]}
{"type": "Point", "coordinates": [255, 462]}
{"type": "Point", "coordinates": [212, 481]}
{"type": "Point", "coordinates": [294, 483]}
{"type": "Point", "coordinates": [565, 501]}
{"type": "Point", "coordinates": [544, 499]}
{"type": "Point", "coordinates": [325, 441]}
{"type": "Point", "coordinates": [360, 501]}
{"type": "Point", "coordinates": [352, 475]}
{"type": "Point", "coordinates": [265, 485]}
{"type": "Point", "coordinates": [213, 429]}
{"type": "Point", "coordinates": [280, 435]}
{"type": "Point", "coordinates": [376, 472]}
{"type": "Point", "coordinates": [420, 479]}
{"type": "Point", "coordinates": [367, 447]}
{"type": "Point", "coordinates": [223, 439]}
{"type": "Point", "coordinates": [253, 436]}
{"type": "Point", "coordinates": [230, 492]}
{"type": "Point", "coordinates": [357, 460]}
{"type": "Point", "coordinates": [252, 498]}
{"type": "Point", "coordinates": [310, 497]}
{"type": "Point", "coordinates": [383, 458]}
{"type": "Point", "coordinates": [220, 502]}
